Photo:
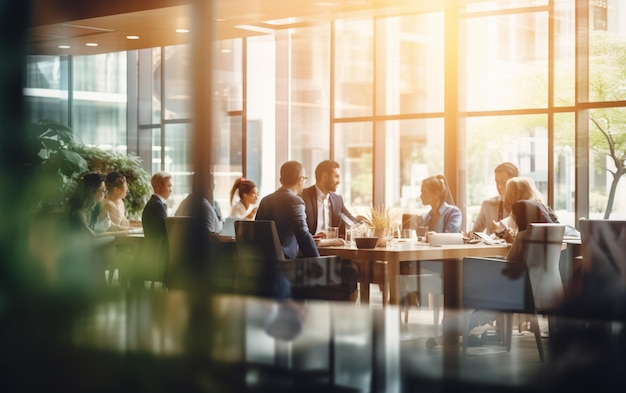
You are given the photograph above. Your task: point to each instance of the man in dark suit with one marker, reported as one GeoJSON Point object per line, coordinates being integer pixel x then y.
{"type": "Point", "coordinates": [286, 209]}
{"type": "Point", "coordinates": [154, 249]}
{"type": "Point", "coordinates": [155, 211]}
{"type": "Point", "coordinates": [324, 207]}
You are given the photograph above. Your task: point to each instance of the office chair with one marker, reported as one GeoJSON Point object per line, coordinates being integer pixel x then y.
{"type": "Point", "coordinates": [532, 285]}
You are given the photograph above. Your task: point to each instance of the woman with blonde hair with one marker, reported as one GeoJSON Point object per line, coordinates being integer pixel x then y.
{"type": "Point", "coordinates": [525, 204]}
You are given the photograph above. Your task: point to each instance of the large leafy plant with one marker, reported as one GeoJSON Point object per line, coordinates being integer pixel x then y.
{"type": "Point", "coordinates": [58, 157]}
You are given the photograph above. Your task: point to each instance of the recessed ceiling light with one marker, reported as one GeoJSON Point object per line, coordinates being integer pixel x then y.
{"type": "Point", "coordinates": [91, 44]}
{"type": "Point", "coordinates": [64, 47]}
{"type": "Point", "coordinates": [225, 50]}
{"type": "Point", "coordinates": [182, 30]}
{"type": "Point", "coordinates": [132, 37]}
{"type": "Point", "coordinates": [220, 19]}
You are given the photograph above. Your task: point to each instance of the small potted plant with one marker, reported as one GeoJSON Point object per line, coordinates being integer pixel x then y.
{"type": "Point", "coordinates": [383, 222]}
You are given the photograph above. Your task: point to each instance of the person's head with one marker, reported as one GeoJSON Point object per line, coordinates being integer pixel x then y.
{"type": "Point", "coordinates": [90, 189]}
{"type": "Point", "coordinates": [246, 190]}
{"type": "Point", "coordinates": [435, 191]}
{"type": "Point", "coordinates": [292, 175]}
{"type": "Point", "coordinates": [116, 186]}
{"type": "Point", "coordinates": [327, 176]}
{"type": "Point", "coordinates": [502, 173]}
{"type": "Point", "coordinates": [518, 189]}
{"type": "Point", "coordinates": [162, 184]}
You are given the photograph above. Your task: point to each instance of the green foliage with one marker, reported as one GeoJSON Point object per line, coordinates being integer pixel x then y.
{"type": "Point", "coordinates": [57, 157]}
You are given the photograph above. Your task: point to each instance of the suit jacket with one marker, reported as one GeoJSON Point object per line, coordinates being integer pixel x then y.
{"type": "Point", "coordinates": [286, 209]}
{"type": "Point", "coordinates": [206, 210]}
{"type": "Point", "coordinates": [488, 213]}
{"type": "Point", "coordinates": [153, 219]}
{"type": "Point", "coordinates": [337, 208]}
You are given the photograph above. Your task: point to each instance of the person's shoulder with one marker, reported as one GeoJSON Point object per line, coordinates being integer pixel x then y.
{"type": "Point", "coordinates": [494, 200]}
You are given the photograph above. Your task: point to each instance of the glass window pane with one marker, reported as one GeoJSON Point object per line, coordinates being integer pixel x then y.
{"type": "Point", "coordinates": [177, 83]}
{"type": "Point", "coordinates": [564, 164]}
{"type": "Point", "coordinates": [227, 157]}
{"type": "Point", "coordinates": [607, 51]}
{"type": "Point", "coordinates": [99, 111]}
{"type": "Point", "coordinates": [177, 160]}
{"type": "Point", "coordinates": [354, 151]}
{"type": "Point", "coordinates": [420, 144]}
{"type": "Point", "coordinates": [228, 74]}
{"type": "Point", "coordinates": [261, 113]}
{"type": "Point", "coordinates": [607, 125]}
{"type": "Point", "coordinates": [45, 92]}
{"type": "Point", "coordinates": [149, 86]}
{"type": "Point", "coordinates": [522, 140]}
{"type": "Point", "coordinates": [564, 53]}
{"type": "Point", "coordinates": [506, 61]}
{"type": "Point", "coordinates": [310, 109]}
{"type": "Point", "coordinates": [354, 68]}
{"type": "Point", "coordinates": [412, 59]}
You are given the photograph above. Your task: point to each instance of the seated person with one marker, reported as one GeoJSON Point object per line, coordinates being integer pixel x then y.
{"type": "Point", "coordinates": [443, 216]}
{"type": "Point", "coordinates": [324, 207]}
{"type": "Point", "coordinates": [492, 210]}
{"type": "Point", "coordinates": [207, 210]}
{"type": "Point", "coordinates": [248, 194]}
{"type": "Point", "coordinates": [117, 189]}
{"type": "Point", "coordinates": [525, 207]}
{"type": "Point", "coordinates": [85, 204]}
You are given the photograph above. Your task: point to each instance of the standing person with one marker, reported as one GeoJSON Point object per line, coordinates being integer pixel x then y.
{"type": "Point", "coordinates": [85, 204]}
{"type": "Point", "coordinates": [493, 209]}
{"type": "Point", "coordinates": [443, 215]}
{"type": "Point", "coordinates": [208, 212]}
{"type": "Point", "coordinates": [117, 189]}
{"type": "Point", "coordinates": [286, 209]}
{"type": "Point", "coordinates": [324, 207]}
{"type": "Point", "coordinates": [155, 211]}
{"type": "Point", "coordinates": [248, 195]}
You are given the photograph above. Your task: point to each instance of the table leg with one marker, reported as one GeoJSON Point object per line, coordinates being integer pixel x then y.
{"type": "Point", "coordinates": [451, 303]}
{"type": "Point", "coordinates": [364, 281]}
{"type": "Point", "coordinates": [393, 272]}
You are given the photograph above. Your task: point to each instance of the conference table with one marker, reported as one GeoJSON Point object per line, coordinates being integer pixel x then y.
{"type": "Point", "coordinates": [450, 255]}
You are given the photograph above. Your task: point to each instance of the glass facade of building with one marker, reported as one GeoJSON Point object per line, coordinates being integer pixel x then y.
{"type": "Point", "coordinates": [393, 99]}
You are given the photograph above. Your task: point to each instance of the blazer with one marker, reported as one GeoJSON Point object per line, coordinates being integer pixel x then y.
{"type": "Point", "coordinates": [153, 219]}
{"type": "Point", "coordinates": [286, 209]}
{"type": "Point", "coordinates": [337, 208]}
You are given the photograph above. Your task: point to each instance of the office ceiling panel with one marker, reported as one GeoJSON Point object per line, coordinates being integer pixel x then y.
{"type": "Point", "coordinates": [67, 26]}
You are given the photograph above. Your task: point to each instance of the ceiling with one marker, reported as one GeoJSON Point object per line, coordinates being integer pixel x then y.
{"type": "Point", "coordinates": [75, 24]}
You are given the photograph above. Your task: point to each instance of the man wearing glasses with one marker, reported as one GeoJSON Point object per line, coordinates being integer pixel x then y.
{"type": "Point", "coordinates": [286, 209]}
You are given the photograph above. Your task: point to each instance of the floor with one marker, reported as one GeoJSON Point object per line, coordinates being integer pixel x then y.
{"type": "Point", "coordinates": [486, 368]}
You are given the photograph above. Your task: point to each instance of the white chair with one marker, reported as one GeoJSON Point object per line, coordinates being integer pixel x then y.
{"type": "Point", "coordinates": [530, 285]}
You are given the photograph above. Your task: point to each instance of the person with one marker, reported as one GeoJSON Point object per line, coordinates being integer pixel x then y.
{"type": "Point", "coordinates": [85, 204]}
{"type": "Point", "coordinates": [525, 204]}
{"type": "Point", "coordinates": [113, 202]}
{"type": "Point", "coordinates": [155, 211]}
{"type": "Point", "coordinates": [323, 206]}
{"type": "Point", "coordinates": [443, 216]}
{"type": "Point", "coordinates": [209, 215]}
{"type": "Point", "coordinates": [248, 195]}
{"type": "Point", "coordinates": [287, 210]}
{"type": "Point", "coordinates": [492, 210]}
